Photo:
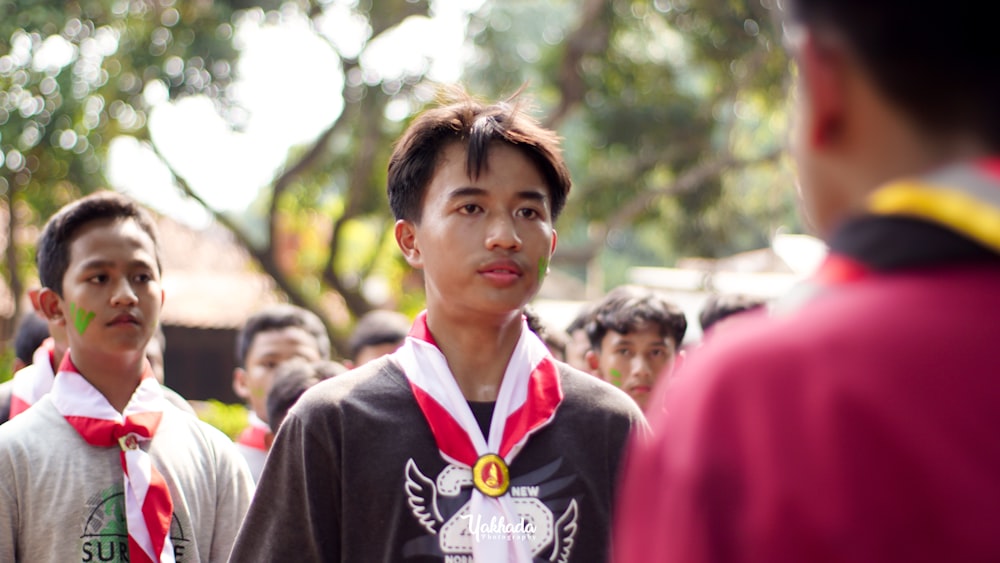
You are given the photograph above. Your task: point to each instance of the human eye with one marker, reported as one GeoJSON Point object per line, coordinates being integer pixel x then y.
{"type": "Point", "coordinates": [624, 352]}
{"type": "Point", "coordinates": [97, 279]}
{"type": "Point", "coordinates": [469, 209]}
{"type": "Point", "coordinates": [529, 213]}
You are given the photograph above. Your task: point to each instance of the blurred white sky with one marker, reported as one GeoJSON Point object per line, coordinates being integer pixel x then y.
{"type": "Point", "coordinates": [288, 80]}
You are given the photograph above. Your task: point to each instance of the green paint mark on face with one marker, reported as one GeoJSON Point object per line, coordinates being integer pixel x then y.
{"type": "Point", "coordinates": [81, 318]}
{"type": "Point", "coordinates": [616, 377]}
{"type": "Point", "coordinates": [543, 267]}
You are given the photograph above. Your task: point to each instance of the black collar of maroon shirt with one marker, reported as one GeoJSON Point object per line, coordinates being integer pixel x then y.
{"type": "Point", "coordinates": [886, 243]}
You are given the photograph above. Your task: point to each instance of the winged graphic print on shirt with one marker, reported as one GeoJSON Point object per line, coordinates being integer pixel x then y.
{"type": "Point", "coordinates": [441, 506]}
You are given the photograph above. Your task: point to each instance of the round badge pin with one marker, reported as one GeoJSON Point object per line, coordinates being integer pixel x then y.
{"type": "Point", "coordinates": [491, 476]}
{"type": "Point", "coordinates": [129, 442]}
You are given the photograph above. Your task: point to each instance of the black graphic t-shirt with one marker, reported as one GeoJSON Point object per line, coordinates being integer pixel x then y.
{"type": "Point", "coordinates": [357, 456]}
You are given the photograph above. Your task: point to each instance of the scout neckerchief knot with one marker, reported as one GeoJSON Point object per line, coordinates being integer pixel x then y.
{"type": "Point", "coordinates": [527, 401]}
{"type": "Point", "coordinates": [34, 381]}
{"type": "Point", "coordinates": [148, 508]}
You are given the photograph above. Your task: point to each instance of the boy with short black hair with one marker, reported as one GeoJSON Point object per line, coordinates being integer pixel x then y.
{"type": "Point", "coordinates": [635, 335]}
{"type": "Point", "coordinates": [721, 307]}
{"type": "Point", "coordinates": [376, 334]}
{"type": "Point", "coordinates": [858, 422]}
{"type": "Point", "coordinates": [271, 336]}
{"type": "Point", "coordinates": [291, 379]}
{"type": "Point", "coordinates": [103, 467]}
{"type": "Point", "coordinates": [470, 441]}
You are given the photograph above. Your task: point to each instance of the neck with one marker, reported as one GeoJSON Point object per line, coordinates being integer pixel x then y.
{"type": "Point", "coordinates": [59, 350]}
{"type": "Point", "coordinates": [115, 376]}
{"type": "Point", "coordinates": [477, 352]}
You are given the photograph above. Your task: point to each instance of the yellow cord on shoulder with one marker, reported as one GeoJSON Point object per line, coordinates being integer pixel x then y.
{"type": "Point", "coordinates": [950, 207]}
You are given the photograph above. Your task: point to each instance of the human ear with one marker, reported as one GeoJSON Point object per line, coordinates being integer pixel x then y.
{"type": "Point", "coordinates": [555, 238]}
{"type": "Point", "coordinates": [592, 360]}
{"type": "Point", "coordinates": [822, 80]}
{"type": "Point", "coordinates": [406, 239]}
{"type": "Point", "coordinates": [50, 305]}
{"type": "Point", "coordinates": [240, 383]}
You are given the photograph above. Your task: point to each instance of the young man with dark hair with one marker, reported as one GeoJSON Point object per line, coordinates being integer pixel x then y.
{"type": "Point", "coordinates": [102, 466]}
{"type": "Point", "coordinates": [635, 335]}
{"type": "Point", "coordinates": [577, 342]}
{"type": "Point", "coordinates": [724, 306]}
{"type": "Point", "coordinates": [470, 442]}
{"type": "Point", "coordinates": [376, 334]}
{"type": "Point", "coordinates": [32, 330]}
{"type": "Point", "coordinates": [270, 337]}
{"type": "Point", "coordinates": [857, 423]}
{"type": "Point", "coordinates": [291, 379]}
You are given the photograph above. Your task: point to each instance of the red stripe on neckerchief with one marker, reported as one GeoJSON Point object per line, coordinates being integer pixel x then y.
{"type": "Point", "coordinates": [529, 395]}
{"type": "Point", "coordinates": [148, 507]}
{"type": "Point", "coordinates": [31, 383]}
{"type": "Point", "coordinates": [255, 434]}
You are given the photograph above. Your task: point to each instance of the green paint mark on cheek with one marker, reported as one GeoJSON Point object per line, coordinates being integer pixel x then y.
{"type": "Point", "coordinates": [543, 267]}
{"type": "Point", "coordinates": [80, 317]}
{"type": "Point", "coordinates": [616, 377]}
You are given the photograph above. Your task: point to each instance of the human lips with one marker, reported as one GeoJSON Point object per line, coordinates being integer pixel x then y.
{"type": "Point", "coordinates": [502, 267]}
{"type": "Point", "coordinates": [502, 271]}
{"type": "Point", "coordinates": [124, 319]}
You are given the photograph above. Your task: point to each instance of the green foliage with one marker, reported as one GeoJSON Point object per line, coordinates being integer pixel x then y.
{"type": "Point", "coordinates": [6, 364]}
{"type": "Point", "coordinates": [230, 419]}
{"type": "Point", "coordinates": [643, 93]}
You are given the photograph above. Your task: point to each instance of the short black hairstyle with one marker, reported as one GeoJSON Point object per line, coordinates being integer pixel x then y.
{"type": "Point", "coordinates": [477, 126]}
{"type": "Point", "coordinates": [555, 340]}
{"type": "Point", "coordinates": [376, 328]}
{"type": "Point", "coordinates": [933, 65]}
{"type": "Point", "coordinates": [278, 317]}
{"type": "Point", "coordinates": [32, 330]}
{"type": "Point", "coordinates": [625, 307]}
{"type": "Point", "coordinates": [581, 319]}
{"type": "Point", "coordinates": [719, 306]}
{"type": "Point", "coordinates": [291, 380]}
{"type": "Point", "coordinates": [52, 256]}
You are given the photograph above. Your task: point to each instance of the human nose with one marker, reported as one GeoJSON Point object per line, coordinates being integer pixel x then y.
{"type": "Point", "coordinates": [641, 369]}
{"type": "Point", "coordinates": [503, 233]}
{"type": "Point", "coordinates": [123, 294]}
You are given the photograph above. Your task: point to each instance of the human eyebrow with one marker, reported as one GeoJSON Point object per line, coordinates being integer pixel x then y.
{"type": "Point", "coordinates": [466, 191]}
{"type": "Point", "coordinates": [96, 264]}
{"type": "Point", "coordinates": [538, 195]}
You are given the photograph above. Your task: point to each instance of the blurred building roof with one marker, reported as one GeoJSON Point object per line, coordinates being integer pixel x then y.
{"type": "Point", "coordinates": [209, 280]}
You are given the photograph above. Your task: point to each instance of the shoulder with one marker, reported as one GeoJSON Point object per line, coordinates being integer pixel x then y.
{"type": "Point", "coordinates": [591, 397]}
{"type": "Point", "coordinates": [367, 386]}
{"type": "Point", "coordinates": [376, 388]}
{"type": "Point", "coordinates": [24, 430]}
{"type": "Point", "coordinates": [188, 430]}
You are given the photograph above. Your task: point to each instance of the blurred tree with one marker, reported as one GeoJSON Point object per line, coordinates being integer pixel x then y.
{"type": "Point", "coordinates": [670, 112]}
{"type": "Point", "coordinates": [72, 77]}
{"type": "Point", "coordinates": [671, 116]}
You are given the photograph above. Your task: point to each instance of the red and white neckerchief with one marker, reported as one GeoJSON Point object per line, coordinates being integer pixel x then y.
{"type": "Point", "coordinates": [255, 434]}
{"type": "Point", "coordinates": [31, 383]}
{"type": "Point", "coordinates": [148, 507]}
{"type": "Point", "coordinates": [527, 401]}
